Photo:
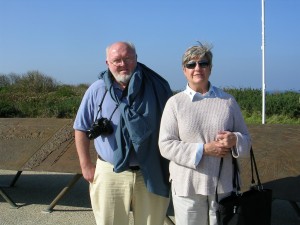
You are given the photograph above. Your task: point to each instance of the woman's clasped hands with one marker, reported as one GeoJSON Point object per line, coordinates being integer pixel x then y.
{"type": "Point", "coordinates": [225, 140]}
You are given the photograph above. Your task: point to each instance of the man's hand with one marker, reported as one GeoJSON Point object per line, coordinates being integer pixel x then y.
{"type": "Point", "coordinates": [88, 172]}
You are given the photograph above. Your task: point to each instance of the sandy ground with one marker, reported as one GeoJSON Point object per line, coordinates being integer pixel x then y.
{"type": "Point", "coordinates": [34, 192]}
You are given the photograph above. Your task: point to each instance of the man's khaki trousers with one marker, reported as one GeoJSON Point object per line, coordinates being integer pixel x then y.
{"type": "Point", "coordinates": [113, 195]}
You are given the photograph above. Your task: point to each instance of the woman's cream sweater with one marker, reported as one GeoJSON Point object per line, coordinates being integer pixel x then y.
{"type": "Point", "coordinates": [184, 125]}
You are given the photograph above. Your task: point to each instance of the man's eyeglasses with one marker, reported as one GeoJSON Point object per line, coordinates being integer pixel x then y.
{"type": "Point", "coordinates": [120, 62]}
{"type": "Point", "coordinates": [201, 64]}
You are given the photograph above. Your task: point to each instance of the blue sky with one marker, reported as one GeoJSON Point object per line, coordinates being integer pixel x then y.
{"type": "Point", "coordinates": [66, 39]}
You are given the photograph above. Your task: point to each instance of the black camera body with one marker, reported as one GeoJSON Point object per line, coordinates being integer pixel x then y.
{"type": "Point", "coordinates": [101, 126]}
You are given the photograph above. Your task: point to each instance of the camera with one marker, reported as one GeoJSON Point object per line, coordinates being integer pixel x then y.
{"type": "Point", "coordinates": [101, 126]}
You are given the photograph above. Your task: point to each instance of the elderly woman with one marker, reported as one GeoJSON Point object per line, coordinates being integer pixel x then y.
{"type": "Point", "coordinates": [199, 126]}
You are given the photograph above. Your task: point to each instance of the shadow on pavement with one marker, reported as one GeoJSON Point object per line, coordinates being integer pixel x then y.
{"type": "Point", "coordinates": [43, 188]}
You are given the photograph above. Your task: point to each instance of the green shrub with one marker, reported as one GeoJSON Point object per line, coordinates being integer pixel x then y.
{"type": "Point", "coordinates": [8, 109]}
{"type": "Point", "coordinates": [249, 100]}
{"type": "Point", "coordinates": [34, 81]}
{"type": "Point", "coordinates": [37, 95]}
{"type": "Point", "coordinates": [286, 103]}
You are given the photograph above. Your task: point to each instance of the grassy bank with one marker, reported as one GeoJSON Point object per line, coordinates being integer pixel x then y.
{"type": "Point", "coordinates": [36, 95]}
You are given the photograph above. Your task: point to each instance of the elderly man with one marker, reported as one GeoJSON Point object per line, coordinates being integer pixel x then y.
{"type": "Point", "coordinates": [121, 111]}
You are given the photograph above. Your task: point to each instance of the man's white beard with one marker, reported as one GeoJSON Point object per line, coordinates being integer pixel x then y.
{"type": "Point", "coordinates": [124, 79]}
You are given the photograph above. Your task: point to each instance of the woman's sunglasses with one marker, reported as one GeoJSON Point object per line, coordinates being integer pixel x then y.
{"type": "Point", "coordinates": [201, 64]}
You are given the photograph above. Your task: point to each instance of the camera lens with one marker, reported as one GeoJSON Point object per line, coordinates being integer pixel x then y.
{"type": "Point", "coordinates": [90, 134]}
{"type": "Point", "coordinates": [101, 126]}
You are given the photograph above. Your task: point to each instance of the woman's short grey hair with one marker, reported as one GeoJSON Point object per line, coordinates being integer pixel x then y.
{"type": "Point", "coordinates": [196, 52]}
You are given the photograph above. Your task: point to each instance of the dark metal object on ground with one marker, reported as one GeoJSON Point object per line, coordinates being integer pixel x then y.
{"type": "Point", "coordinates": [8, 199]}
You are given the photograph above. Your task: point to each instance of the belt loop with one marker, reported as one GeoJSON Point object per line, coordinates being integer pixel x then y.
{"type": "Point", "coordinates": [134, 168]}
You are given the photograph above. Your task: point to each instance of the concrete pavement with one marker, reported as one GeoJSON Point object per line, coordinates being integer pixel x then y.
{"type": "Point", "coordinates": [34, 191]}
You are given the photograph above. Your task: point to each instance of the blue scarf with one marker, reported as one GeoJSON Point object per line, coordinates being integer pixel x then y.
{"type": "Point", "coordinates": [138, 129]}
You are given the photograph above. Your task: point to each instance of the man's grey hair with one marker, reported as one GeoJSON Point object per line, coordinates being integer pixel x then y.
{"type": "Point", "coordinates": [130, 44]}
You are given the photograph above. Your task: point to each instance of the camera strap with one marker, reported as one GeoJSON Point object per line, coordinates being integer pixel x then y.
{"type": "Point", "coordinates": [100, 107]}
{"type": "Point", "coordinates": [113, 112]}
